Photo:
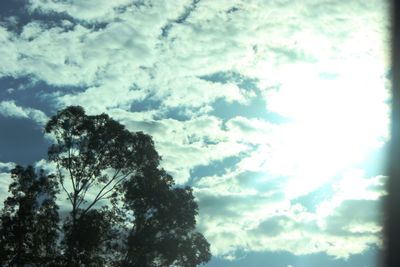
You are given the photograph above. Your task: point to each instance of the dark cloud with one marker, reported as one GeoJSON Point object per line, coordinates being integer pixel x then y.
{"type": "Point", "coordinates": [354, 213]}
{"type": "Point", "coordinates": [273, 226]}
{"type": "Point", "coordinates": [150, 127]}
{"type": "Point", "coordinates": [283, 259]}
{"type": "Point", "coordinates": [281, 224]}
{"type": "Point", "coordinates": [255, 108]}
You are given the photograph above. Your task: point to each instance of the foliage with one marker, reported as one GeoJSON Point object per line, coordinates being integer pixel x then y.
{"type": "Point", "coordinates": [163, 232]}
{"type": "Point", "coordinates": [29, 220]}
{"type": "Point", "coordinates": [95, 239]}
{"type": "Point", "coordinates": [125, 210]}
{"type": "Point", "coordinates": [95, 151]}
{"type": "Point", "coordinates": [94, 154]}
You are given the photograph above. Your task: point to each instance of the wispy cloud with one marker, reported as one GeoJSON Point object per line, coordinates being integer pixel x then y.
{"type": "Point", "coordinates": [246, 211]}
{"type": "Point", "coordinates": [10, 109]}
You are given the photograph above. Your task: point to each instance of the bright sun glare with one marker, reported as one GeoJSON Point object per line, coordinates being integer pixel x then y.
{"type": "Point", "coordinates": [335, 124]}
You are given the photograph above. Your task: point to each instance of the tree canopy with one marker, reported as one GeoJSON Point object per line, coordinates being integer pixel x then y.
{"type": "Point", "coordinates": [124, 209]}
{"type": "Point", "coordinates": [29, 220]}
{"type": "Point", "coordinates": [164, 222]}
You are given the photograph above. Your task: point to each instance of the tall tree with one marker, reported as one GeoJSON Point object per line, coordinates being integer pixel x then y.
{"type": "Point", "coordinates": [93, 154]}
{"type": "Point", "coordinates": [163, 232]}
{"type": "Point", "coordinates": [97, 155]}
{"type": "Point", "coordinates": [29, 220]}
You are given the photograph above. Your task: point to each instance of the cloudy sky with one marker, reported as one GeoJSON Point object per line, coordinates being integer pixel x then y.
{"type": "Point", "coordinates": [274, 111]}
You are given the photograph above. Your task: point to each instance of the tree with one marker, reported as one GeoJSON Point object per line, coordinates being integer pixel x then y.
{"type": "Point", "coordinates": [95, 154]}
{"type": "Point", "coordinates": [96, 239]}
{"type": "Point", "coordinates": [164, 222]}
{"type": "Point", "coordinates": [29, 220]}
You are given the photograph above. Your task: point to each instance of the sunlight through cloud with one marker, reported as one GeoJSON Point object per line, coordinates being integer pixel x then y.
{"type": "Point", "coordinates": [334, 125]}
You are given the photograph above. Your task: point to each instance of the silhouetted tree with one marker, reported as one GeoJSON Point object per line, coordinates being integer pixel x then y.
{"type": "Point", "coordinates": [96, 238]}
{"type": "Point", "coordinates": [163, 232]}
{"type": "Point", "coordinates": [29, 220]}
{"type": "Point", "coordinates": [97, 155]}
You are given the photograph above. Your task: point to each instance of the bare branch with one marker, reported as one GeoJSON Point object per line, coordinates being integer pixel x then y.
{"type": "Point", "coordinates": [114, 185]}
{"type": "Point", "coordinates": [62, 183]}
{"type": "Point", "coordinates": [69, 169]}
{"type": "Point", "coordinates": [100, 195]}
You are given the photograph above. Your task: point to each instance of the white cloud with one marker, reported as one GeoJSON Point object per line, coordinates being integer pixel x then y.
{"type": "Point", "coordinates": [367, 188]}
{"type": "Point", "coordinates": [9, 50]}
{"type": "Point", "coordinates": [82, 10]}
{"type": "Point", "coordinates": [7, 165]}
{"type": "Point", "coordinates": [190, 143]}
{"type": "Point", "coordinates": [5, 180]}
{"type": "Point", "coordinates": [253, 206]}
{"type": "Point", "coordinates": [256, 39]}
{"type": "Point", "coordinates": [10, 109]}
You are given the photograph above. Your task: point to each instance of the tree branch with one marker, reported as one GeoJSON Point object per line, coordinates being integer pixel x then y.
{"type": "Point", "coordinates": [62, 183]}
{"type": "Point", "coordinates": [100, 194]}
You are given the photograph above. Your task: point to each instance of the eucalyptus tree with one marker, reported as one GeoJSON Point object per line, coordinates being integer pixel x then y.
{"type": "Point", "coordinates": [96, 239]}
{"type": "Point", "coordinates": [163, 231]}
{"type": "Point", "coordinates": [29, 220]}
{"type": "Point", "coordinates": [100, 164]}
{"type": "Point", "coordinates": [93, 155]}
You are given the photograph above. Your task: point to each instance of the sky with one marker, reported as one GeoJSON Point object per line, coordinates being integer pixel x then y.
{"type": "Point", "coordinates": [274, 111]}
